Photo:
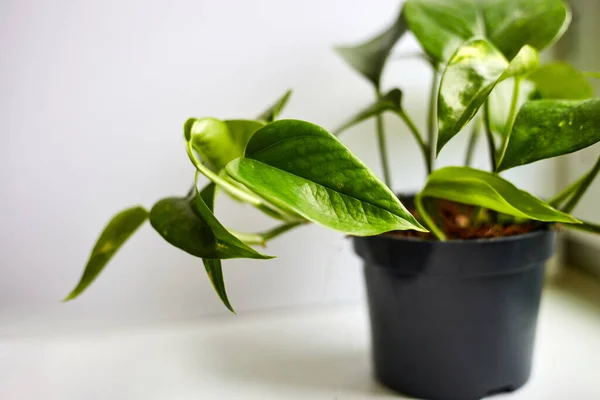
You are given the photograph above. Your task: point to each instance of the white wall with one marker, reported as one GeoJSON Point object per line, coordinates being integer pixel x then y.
{"type": "Point", "coordinates": [93, 95]}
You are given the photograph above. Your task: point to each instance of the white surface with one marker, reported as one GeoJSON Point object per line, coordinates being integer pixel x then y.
{"type": "Point", "coordinates": [286, 356]}
{"type": "Point", "coordinates": [93, 95]}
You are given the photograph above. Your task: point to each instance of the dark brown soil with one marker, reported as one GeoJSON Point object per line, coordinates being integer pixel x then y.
{"type": "Point", "coordinates": [460, 221]}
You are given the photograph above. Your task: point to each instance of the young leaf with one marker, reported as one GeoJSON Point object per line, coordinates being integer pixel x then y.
{"type": "Point", "coordinates": [559, 80]}
{"type": "Point", "coordinates": [441, 26]}
{"type": "Point", "coordinates": [549, 128]}
{"type": "Point", "coordinates": [301, 166]}
{"type": "Point", "coordinates": [479, 188]}
{"type": "Point", "coordinates": [188, 224]}
{"type": "Point", "coordinates": [471, 74]}
{"type": "Point", "coordinates": [271, 113]}
{"type": "Point", "coordinates": [369, 58]}
{"type": "Point", "coordinates": [213, 266]}
{"type": "Point", "coordinates": [115, 234]}
{"type": "Point", "coordinates": [218, 142]}
{"type": "Point", "coordinates": [391, 101]}
{"type": "Point", "coordinates": [500, 102]}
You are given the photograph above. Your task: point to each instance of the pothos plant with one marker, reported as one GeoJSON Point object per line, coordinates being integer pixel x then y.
{"type": "Point", "coordinates": [486, 75]}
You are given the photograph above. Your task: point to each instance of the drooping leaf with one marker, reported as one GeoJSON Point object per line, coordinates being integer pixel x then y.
{"type": "Point", "coordinates": [550, 128]}
{"type": "Point", "coordinates": [441, 26]}
{"type": "Point", "coordinates": [213, 266]}
{"type": "Point", "coordinates": [301, 166]}
{"type": "Point", "coordinates": [114, 235]}
{"type": "Point", "coordinates": [479, 188]}
{"type": "Point", "coordinates": [468, 79]}
{"type": "Point", "coordinates": [368, 58]}
{"type": "Point", "coordinates": [218, 142]}
{"type": "Point", "coordinates": [188, 224]}
{"type": "Point", "coordinates": [271, 113]}
{"type": "Point", "coordinates": [391, 101]}
{"type": "Point", "coordinates": [559, 80]}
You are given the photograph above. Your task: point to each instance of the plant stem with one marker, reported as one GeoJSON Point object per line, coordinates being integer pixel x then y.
{"type": "Point", "coordinates": [417, 135]}
{"type": "Point", "coordinates": [473, 142]}
{"type": "Point", "coordinates": [262, 237]}
{"type": "Point", "coordinates": [510, 121]}
{"type": "Point", "coordinates": [427, 219]}
{"type": "Point", "coordinates": [489, 135]}
{"type": "Point", "coordinates": [564, 195]}
{"type": "Point", "coordinates": [583, 187]}
{"type": "Point", "coordinates": [431, 120]}
{"type": "Point", "coordinates": [381, 141]}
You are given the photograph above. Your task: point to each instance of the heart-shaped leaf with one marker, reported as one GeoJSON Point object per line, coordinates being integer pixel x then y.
{"type": "Point", "coordinates": [213, 266]}
{"type": "Point", "coordinates": [114, 235]}
{"type": "Point", "coordinates": [302, 166]}
{"type": "Point", "coordinates": [442, 26]}
{"type": "Point", "coordinates": [218, 142]}
{"type": "Point", "coordinates": [188, 224]}
{"type": "Point", "coordinates": [468, 79]}
{"type": "Point", "coordinates": [550, 128]}
{"type": "Point", "coordinates": [271, 113]}
{"type": "Point", "coordinates": [480, 188]}
{"type": "Point", "coordinates": [391, 101]}
{"type": "Point", "coordinates": [369, 58]}
{"type": "Point", "coordinates": [559, 80]}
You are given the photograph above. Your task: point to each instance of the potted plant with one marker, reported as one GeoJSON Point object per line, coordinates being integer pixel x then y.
{"type": "Point", "coordinates": [454, 273]}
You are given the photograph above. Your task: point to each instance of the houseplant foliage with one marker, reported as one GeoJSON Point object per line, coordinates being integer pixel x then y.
{"type": "Point", "coordinates": [487, 82]}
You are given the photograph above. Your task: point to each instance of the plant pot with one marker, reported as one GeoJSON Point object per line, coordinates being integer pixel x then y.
{"type": "Point", "coordinates": [455, 319]}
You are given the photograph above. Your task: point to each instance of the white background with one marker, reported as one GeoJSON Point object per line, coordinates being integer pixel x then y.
{"type": "Point", "coordinates": [93, 95]}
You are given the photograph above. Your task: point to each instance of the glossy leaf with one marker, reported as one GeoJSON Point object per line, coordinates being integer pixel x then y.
{"type": "Point", "coordinates": [114, 235]}
{"type": "Point", "coordinates": [213, 266]}
{"type": "Point", "coordinates": [271, 113]}
{"type": "Point", "coordinates": [302, 166]}
{"type": "Point", "coordinates": [391, 101]}
{"type": "Point", "coordinates": [442, 26]}
{"type": "Point", "coordinates": [560, 80]}
{"type": "Point", "coordinates": [218, 142]}
{"type": "Point", "coordinates": [468, 80]}
{"type": "Point", "coordinates": [500, 102]}
{"type": "Point", "coordinates": [479, 188]}
{"type": "Point", "coordinates": [549, 128]}
{"type": "Point", "coordinates": [369, 58]}
{"type": "Point", "coordinates": [188, 224]}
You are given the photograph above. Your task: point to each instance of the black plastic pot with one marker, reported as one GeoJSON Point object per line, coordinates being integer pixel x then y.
{"type": "Point", "coordinates": [455, 319]}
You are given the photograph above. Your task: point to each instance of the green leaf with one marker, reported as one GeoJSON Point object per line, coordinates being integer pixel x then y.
{"type": "Point", "coordinates": [368, 58]}
{"type": "Point", "coordinates": [391, 101]}
{"type": "Point", "coordinates": [213, 266]}
{"type": "Point", "coordinates": [301, 166]}
{"type": "Point", "coordinates": [218, 142]}
{"type": "Point", "coordinates": [114, 235]}
{"type": "Point", "coordinates": [500, 102]}
{"type": "Point", "coordinates": [441, 26]}
{"type": "Point", "coordinates": [559, 80]}
{"type": "Point", "coordinates": [271, 113]}
{"type": "Point", "coordinates": [188, 224]}
{"type": "Point", "coordinates": [471, 74]}
{"type": "Point", "coordinates": [479, 188]}
{"type": "Point", "coordinates": [549, 128]}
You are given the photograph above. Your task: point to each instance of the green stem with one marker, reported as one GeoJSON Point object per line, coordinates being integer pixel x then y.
{"type": "Point", "coordinates": [417, 135]}
{"type": "Point", "coordinates": [473, 142]}
{"type": "Point", "coordinates": [489, 135]}
{"type": "Point", "coordinates": [583, 187]}
{"type": "Point", "coordinates": [381, 141]}
{"type": "Point", "coordinates": [428, 220]}
{"type": "Point", "coordinates": [261, 238]}
{"type": "Point", "coordinates": [510, 121]}
{"type": "Point", "coordinates": [431, 120]}
{"type": "Point", "coordinates": [564, 195]}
